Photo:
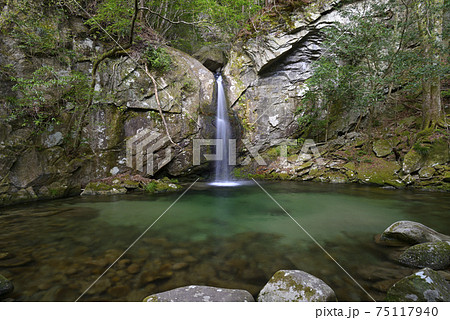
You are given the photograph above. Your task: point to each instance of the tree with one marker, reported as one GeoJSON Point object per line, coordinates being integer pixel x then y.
{"type": "Point", "coordinates": [376, 52]}
{"type": "Point", "coordinates": [429, 17]}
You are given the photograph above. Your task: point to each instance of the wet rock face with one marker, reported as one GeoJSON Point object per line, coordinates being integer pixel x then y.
{"type": "Point", "coordinates": [201, 294]}
{"type": "Point", "coordinates": [411, 232]}
{"type": "Point", "coordinates": [266, 76]}
{"type": "Point", "coordinates": [296, 286]}
{"type": "Point", "coordinates": [425, 285]}
{"type": "Point", "coordinates": [42, 165]}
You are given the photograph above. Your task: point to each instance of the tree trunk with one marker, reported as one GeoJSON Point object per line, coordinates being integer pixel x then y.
{"type": "Point", "coordinates": [431, 104]}
{"type": "Point", "coordinates": [430, 26]}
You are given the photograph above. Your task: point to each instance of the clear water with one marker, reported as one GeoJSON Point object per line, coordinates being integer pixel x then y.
{"type": "Point", "coordinates": [227, 237]}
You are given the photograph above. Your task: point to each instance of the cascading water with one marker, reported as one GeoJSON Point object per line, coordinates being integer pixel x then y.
{"type": "Point", "coordinates": [223, 133]}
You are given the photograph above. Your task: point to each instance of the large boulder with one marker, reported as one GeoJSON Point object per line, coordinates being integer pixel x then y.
{"type": "Point", "coordinates": [295, 286]}
{"type": "Point", "coordinates": [425, 285]}
{"type": "Point", "coordinates": [6, 286]}
{"type": "Point", "coordinates": [382, 148]}
{"type": "Point", "coordinates": [212, 57]}
{"type": "Point", "coordinates": [434, 255]}
{"type": "Point", "coordinates": [411, 232]}
{"type": "Point", "coordinates": [201, 294]}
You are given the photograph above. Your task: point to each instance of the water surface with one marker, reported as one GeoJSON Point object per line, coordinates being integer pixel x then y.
{"type": "Point", "coordinates": [233, 237]}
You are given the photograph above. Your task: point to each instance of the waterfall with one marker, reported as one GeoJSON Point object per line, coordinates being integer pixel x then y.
{"type": "Point", "coordinates": [223, 133]}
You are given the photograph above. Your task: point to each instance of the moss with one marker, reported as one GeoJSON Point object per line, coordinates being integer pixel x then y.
{"type": "Point", "coordinates": [158, 186]}
{"type": "Point", "coordinates": [435, 255]}
{"type": "Point", "coordinates": [336, 177]}
{"type": "Point", "coordinates": [379, 172]}
{"type": "Point", "coordinates": [350, 166]}
{"type": "Point", "coordinates": [411, 162]}
{"type": "Point", "coordinates": [425, 285]}
{"type": "Point", "coordinates": [99, 186]}
{"type": "Point", "coordinates": [152, 298]}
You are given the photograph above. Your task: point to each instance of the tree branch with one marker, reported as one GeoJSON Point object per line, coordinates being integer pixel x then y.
{"type": "Point", "coordinates": [155, 85]}
{"type": "Point", "coordinates": [194, 23]}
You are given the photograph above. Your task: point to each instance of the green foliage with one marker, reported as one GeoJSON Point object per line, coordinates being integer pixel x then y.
{"type": "Point", "coordinates": [189, 24]}
{"type": "Point", "coordinates": [151, 187]}
{"type": "Point", "coordinates": [36, 28]}
{"type": "Point", "coordinates": [421, 148]}
{"type": "Point", "coordinates": [114, 17]}
{"type": "Point", "coordinates": [158, 59]}
{"type": "Point", "coordinates": [376, 52]}
{"type": "Point", "coordinates": [46, 93]}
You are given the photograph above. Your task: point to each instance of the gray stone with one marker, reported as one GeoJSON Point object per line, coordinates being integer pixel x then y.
{"type": "Point", "coordinates": [411, 232]}
{"type": "Point", "coordinates": [6, 286]}
{"type": "Point", "coordinates": [28, 169]}
{"type": "Point", "coordinates": [53, 140]}
{"type": "Point", "coordinates": [425, 285]}
{"type": "Point", "coordinates": [382, 148]}
{"type": "Point", "coordinates": [295, 286]}
{"type": "Point", "coordinates": [201, 294]}
{"type": "Point", "coordinates": [434, 255]}
{"type": "Point", "coordinates": [426, 173]}
{"type": "Point", "coordinates": [212, 57]}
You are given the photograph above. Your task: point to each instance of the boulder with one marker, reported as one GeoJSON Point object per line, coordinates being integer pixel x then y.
{"type": "Point", "coordinates": [426, 172]}
{"type": "Point", "coordinates": [434, 255]}
{"type": "Point", "coordinates": [295, 286]}
{"type": "Point", "coordinates": [6, 286]}
{"type": "Point", "coordinates": [411, 162]}
{"type": "Point", "coordinates": [212, 57]}
{"type": "Point", "coordinates": [425, 285]}
{"type": "Point", "coordinates": [201, 294]}
{"type": "Point", "coordinates": [382, 148]}
{"type": "Point", "coordinates": [411, 232]}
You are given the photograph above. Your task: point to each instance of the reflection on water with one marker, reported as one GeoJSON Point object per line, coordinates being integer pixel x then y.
{"type": "Point", "coordinates": [226, 237]}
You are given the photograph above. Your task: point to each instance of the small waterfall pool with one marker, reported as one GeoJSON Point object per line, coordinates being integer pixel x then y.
{"type": "Point", "coordinates": [225, 237]}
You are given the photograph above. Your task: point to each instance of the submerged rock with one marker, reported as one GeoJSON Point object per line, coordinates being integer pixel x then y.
{"type": "Point", "coordinates": [411, 232]}
{"type": "Point", "coordinates": [435, 255]}
{"type": "Point", "coordinates": [201, 294]}
{"type": "Point", "coordinates": [425, 285]}
{"type": "Point", "coordinates": [6, 286]}
{"type": "Point", "coordinates": [295, 286]}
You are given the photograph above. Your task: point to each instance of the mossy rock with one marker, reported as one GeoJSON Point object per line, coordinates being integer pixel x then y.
{"type": "Point", "coordinates": [296, 286]}
{"type": "Point", "coordinates": [434, 255]}
{"type": "Point", "coordinates": [446, 177]}
{"type": "Point", "coordinates": [426, 172]}
{"type": "Point", "coordinates": [437, 153]}
{"type": "Point", "coordinates": [164, 185]}
{"type": "Point", "coordinates": [100, 188]}
{"type": "Point", "coordinates": [411, 162]}
{"type": "Point", "coordinates": [201, 294]}
{"type": "Point", "coordinates": [411, 232]}
{"type": "Point", "coordinates": [336, 177]}
{"type": "Point", "coordinates": [425, 285]}
{"type": "Point", "coordinates": [383, 148]}
{"type": "Point", "coordinates": [315, 172]}
{"type": "Point", "coordinates": [380, 172]}
{"type": "Point", "coordinates": [6, 286]}
{"type": "Point", "coordinates": [304, 166]}
{"type": "Point", "coordinates": [350, 166]}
